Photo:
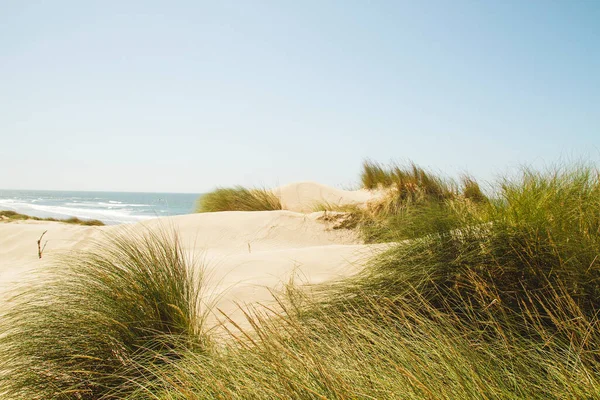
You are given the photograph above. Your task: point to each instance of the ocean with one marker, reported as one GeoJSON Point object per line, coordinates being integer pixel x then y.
{"type": "Point", "coordinates": [108, 207]}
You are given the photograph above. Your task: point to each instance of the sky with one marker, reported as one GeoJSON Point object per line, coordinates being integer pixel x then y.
{"type": "Point", "coordinates": [184, 96]}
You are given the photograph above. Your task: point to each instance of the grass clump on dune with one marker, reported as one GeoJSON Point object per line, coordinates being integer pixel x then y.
{"type": "Point", "coordinates": [415, 202]}
{"type": "Point", "coordinates": [334, 207]}
{"type": "Point", "coordinates": [15, 216]}
{"type": "Point", "coordinates": [238, 199]}
{"type": "Point", "coordinates": [384, 349]}
{"type": "Point", "coordinates": [86, 325]}
{"type": "Point", "coordinates": [77, 221]}
{"type": "Point", "coordinates": [541, 231]}
{"type": "Point", "coordinates": [374, 175]}
{"type": "Point", "coordinates": [413, 183]}
{"type": "Point", "coordinates": [472, 191]}
{"type": "Point", "coordinates": [410, 182]}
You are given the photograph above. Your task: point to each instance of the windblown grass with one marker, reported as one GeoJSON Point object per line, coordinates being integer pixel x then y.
{"type": "Point", "coordinates": [14, 216]}
{"type": "Point", "coordinates": [498, 300]}
{"type": "Point", "coordinates": [413, 221]}
{"type": "Point", "coordinates": [416, 203]}
{"type": "Point", "coordinates": [238, 199]}
{"type": "Point", "coordinates": [328, 206]}
{"type": "Point", "coordinates": [410, 182]}
{"type": "Point", "coordinates": [374, 175]}
{"type": "Point", "coordinates": [389, 349]}
{"type": "Point", "coordinates": [544, 228]}
{"type": "Point", "coordinates": [472, 191]}
{"type": "Point", "coordinates": [86, 326]}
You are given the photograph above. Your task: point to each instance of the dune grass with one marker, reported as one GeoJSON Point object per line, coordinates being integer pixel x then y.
{"type": "Point", "coordinates": [375, 175]}
{"type": "Point", "coordinates": [471, 190]}
{"type": "Point", "coordinates": [85, 327]}
{"type": "Point", "coordinates": [410, 181]}
{"type": "Point", "coordinates": [543, 229]}
{"type": "Point", "coordinates": [324, 206]}
{"type": "Point", "coordinates": [490, 299]}
{"type": "Point", "coordinates": [389, 350]}
{"type": "Point", "coordinates": [238, 199]}
{"type": "Point", "coordinates": [15, 216]}
{"type": "Point", "coordinates": [415, 203]}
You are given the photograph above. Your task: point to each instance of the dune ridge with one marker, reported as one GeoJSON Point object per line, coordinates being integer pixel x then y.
{"type": "Point", "coordinates": [304, 196]}
{"type": "Point", "coordinates": [246, 254]}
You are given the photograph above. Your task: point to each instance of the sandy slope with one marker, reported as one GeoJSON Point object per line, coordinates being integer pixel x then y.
{"type": "Point", "coordinates": [244, 253]}
{"type": "Point", "coordinates": [304, 196]}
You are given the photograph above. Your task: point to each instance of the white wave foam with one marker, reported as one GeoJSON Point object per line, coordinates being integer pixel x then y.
{"type": "Point", "coordinates": [108, 205]}
{"type": "Point", "coordinates": [105, 215]}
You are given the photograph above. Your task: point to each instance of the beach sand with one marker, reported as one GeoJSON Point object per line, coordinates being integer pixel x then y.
{"type": "Point", "coordinates": [244, 254]}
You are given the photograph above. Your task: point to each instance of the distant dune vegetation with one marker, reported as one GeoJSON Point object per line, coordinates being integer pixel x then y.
{"type": "Point", "coordinates": [482, 294]}
{"type": "Point", "coordinates": [238, 199]}
{"type": "Point", "coordinates": [14, 216]}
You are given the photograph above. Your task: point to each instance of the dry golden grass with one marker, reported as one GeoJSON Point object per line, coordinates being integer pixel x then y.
{"type": "Point", "coordinates": [238, 199]}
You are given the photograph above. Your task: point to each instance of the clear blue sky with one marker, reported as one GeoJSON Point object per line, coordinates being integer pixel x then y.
{"type": "Point", "coordinates": [185, 95]}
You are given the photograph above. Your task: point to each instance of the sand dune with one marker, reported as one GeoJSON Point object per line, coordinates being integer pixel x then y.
{"type": "Point", "coordinates": [304, 196]}
{"type": "Point", "coordinates": [244, 253]}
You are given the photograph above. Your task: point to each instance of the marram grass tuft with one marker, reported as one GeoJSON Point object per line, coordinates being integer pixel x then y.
{"type": "Point", "coordinates": [238, 199]}
{"type": "Point", "coordinates": [84, 327]}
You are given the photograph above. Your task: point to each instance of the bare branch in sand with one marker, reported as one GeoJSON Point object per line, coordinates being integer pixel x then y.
{"type": "Point", "coordinates": [39, 243]}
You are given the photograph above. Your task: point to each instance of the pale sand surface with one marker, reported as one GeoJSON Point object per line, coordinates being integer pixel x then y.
{"type": "Point", "coordinates": [304, 196]}
{"type": "Point", "coordinates": [244, 254]}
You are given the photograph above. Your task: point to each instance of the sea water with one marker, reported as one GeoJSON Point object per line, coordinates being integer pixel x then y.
{"type": "Point", "coordinates": [108, 207]}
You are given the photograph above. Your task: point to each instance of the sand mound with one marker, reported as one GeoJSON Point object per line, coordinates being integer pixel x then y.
{"type": "Point", "coordinates": [244, 253]}
{"type": "Point", "coordinates": [304, 196]}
